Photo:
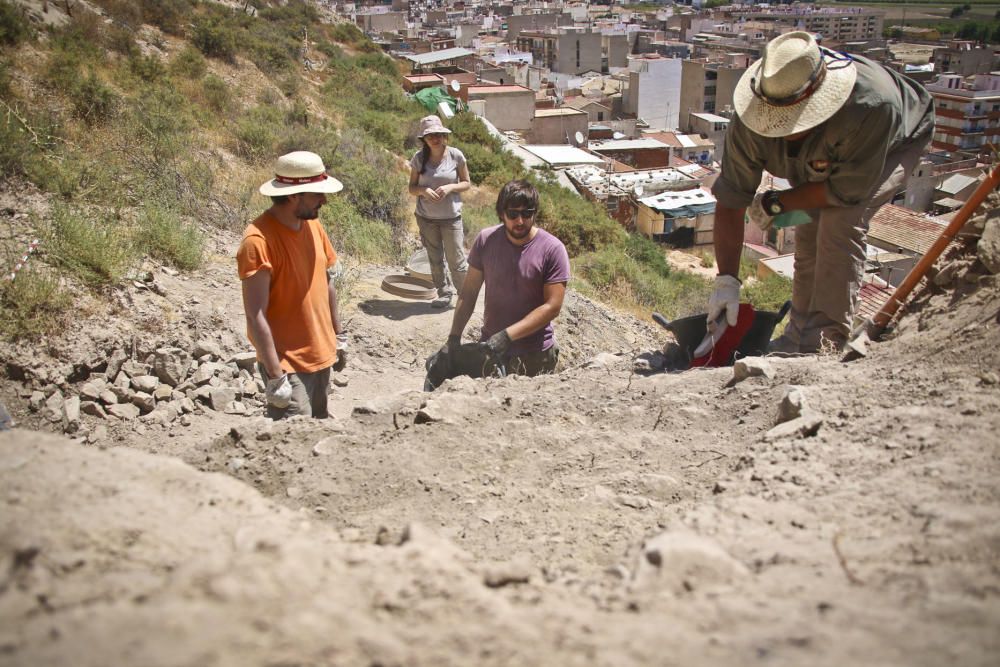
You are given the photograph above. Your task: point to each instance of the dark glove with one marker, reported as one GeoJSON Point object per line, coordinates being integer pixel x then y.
{"type": "Point", "coordinates": [499, 343]}
{"type": "Point", "coordinates": [341, 362]}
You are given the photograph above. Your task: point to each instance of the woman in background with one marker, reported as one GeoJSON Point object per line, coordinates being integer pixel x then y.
{"type": "Point", "coordinates": [438, 173]}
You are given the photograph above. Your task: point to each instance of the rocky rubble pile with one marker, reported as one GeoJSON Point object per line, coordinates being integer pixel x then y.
{"type": "Point", "coordinates": [166, 385]}
{"type": "Point", "coordinates": [981, 232]}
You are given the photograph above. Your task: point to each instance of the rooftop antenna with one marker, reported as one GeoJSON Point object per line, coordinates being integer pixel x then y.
{"type": "Point", "coordinates": [455, 85]}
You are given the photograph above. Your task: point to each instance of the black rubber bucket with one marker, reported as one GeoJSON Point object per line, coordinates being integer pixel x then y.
{"type": "Point", "coordinates": [690, 331]}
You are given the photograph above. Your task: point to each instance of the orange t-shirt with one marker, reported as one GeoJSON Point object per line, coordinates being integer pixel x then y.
{"type": "Point", "coordinates": [298, 307]}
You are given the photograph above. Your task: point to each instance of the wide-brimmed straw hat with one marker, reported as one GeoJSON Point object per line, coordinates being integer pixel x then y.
{"type": "Point", "coordinates": [431, 125]}
{"type": "Point", "coordinates": [300, 171]}
{"type": "Point", "coordinates": [794, 87]}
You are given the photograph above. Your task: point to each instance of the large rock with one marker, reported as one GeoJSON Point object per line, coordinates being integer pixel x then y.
{"type": "Point", "coordinates": [802, 427]}
{"type": "Point", "coordinates": [988, 249]}
{"type": "Point", "coordinates": [115, 362]}
{"type": "Point", "coordinates": [792, 404]}
{"type": "Point", "coordinates": [205, 373]}
{"type": "Point", "coordinates": [220, 398]}
{"type": "Point", "coordinates": [681, 561]}
{"type": "Point", "coordinates": [752, 367]}
{"type": "Point", "coordinates": [124, 411]}
{"type": "Point", "coordinates": [145, 383]}
{"type": "Point", "coordinates": [209, 347]}
{"type": "Point", "coordinates": [71, 414]}
{"type": "Point", "coordinates": [170, 364]}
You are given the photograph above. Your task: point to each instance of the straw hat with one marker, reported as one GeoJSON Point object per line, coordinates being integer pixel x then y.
{"type": "Point", "coordinates": [431, 125]}
{"type": "Point", "coordinates": [795, 86]}
{"type": "Point", "coordinates": [300, 171]}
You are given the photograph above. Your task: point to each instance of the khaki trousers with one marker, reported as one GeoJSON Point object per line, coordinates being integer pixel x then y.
{"type": "Point", "coordinates": [830, 260]}
{"type": "Point", "coordinates": [444, 238]}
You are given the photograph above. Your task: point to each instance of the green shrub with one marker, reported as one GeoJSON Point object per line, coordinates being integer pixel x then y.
{"type": "Point", "coordinates": [15, 27]}
{"type": "Point", "coordinates": [488, 162]}
{"type": "Point", "coordinates": [331, 51]}
{"type": "Point", "coordinates": [96, 249]}
{"type": "Point", "coordinates": [93, 101]}
{"type": "Point", "coordinates": [120, 40]}
{"type": "Point", "coordinates": [647, 253]}
{"type": "Point", "coordinates": [378, 62]}
{"type": "Point", "coordinates": [580, 224]}
{"type": "Point", "coordinates": [189, 63]}
{"type": "Point", "coordinates": [257, 133]}
{"type": "Point", "coordinates": [82, 37]}
{"type": "Point", "coordinates": [769, 293]}
{"type": "Point", "coordinates": [372, 183]}
{"type": "Point", "coordinates": [4, 78]}
{"type": "Point", "coordinates": [614, 276]}
{"type": "Point", "coordinates": [216, 93]}
{"type": "Point", "coordinates": [347, 33]}
{"type": "Point", "coordinates": [32, 305]}
{"type": "Point", "coordinates": [476, 219]}
{"type": "Point", "coordinates": [167, 15]}
{"type": "Point", "coordinates": [215, 38]}
{"type": "Point", "coordinates": [62, 71]}
{"type": "Point", "coordinates": [146, 68]}
{"type": "Point", "coordinates": [127, 13]}
{"type": "Point", "coordinates": [163, 120]}
{"type": "Point", "coordinates": [384, 128]}
{"type": "Point", "coordinates": [358, 237]}
{"type": "Point", "coordinates": [162, 234]}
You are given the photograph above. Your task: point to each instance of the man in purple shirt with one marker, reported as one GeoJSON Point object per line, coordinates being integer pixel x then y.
{"type": "Point", "coordinates": [525, 270]}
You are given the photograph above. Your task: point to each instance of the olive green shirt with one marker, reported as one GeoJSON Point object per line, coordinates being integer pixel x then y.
{"type": "Point", "coordinates": [885, 112]}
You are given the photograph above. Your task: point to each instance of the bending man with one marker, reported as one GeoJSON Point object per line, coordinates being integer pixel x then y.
{"type": "Point", "coordinates": [846, 133]}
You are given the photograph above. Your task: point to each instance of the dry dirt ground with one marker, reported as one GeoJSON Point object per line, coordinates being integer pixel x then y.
{"type": "Point", "coordinates": [593, 517]}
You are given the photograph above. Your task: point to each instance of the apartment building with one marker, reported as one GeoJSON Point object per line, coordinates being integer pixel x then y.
{"type": "Point", "coordinates": [654, 91]}
{"type": "Point", "coordinates": [707, 87]}
{"type": "Point", "coordinates": [967, 115]}
{"type": "Point", "coordinates": [564, 51]}
{"type": "Point", "coordinates": [835, 24]}
{"type": "Point", "coordinates": [965, 59]}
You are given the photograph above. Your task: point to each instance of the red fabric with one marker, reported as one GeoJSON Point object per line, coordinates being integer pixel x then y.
{"type": "Point", "coordinates": [731, 338]}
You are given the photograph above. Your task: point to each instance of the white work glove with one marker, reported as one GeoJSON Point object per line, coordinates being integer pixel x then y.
{"type": "Point", "coordinates": [757, 215]}
{"type": "Point", "coordinates": [341, 362]}
{"type": "Point", "coordinates": [279, 392]}
{"type": "Point", "coordinates": [725, 299]}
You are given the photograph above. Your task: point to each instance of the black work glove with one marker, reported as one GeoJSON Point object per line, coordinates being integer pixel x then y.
{"type": "Point", "coordinates": [341, 362]}
{"type": "Point", "coordinates": [499, 343]}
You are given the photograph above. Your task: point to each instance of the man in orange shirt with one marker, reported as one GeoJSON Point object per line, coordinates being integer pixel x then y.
{"type": "Point", "coordinates": [289, 299]}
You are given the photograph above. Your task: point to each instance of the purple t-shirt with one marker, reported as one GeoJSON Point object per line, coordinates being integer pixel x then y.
{"type": "Point", "coordinates": [515, 278]}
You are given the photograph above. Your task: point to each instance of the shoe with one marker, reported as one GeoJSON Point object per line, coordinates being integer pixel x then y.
{"type": "Point", "coordinates": [441, 302]}
{"type": "Point", "coordinates": [782, 346]}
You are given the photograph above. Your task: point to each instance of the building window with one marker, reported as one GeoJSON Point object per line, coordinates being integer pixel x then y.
{"type": "Point", "coordinates": [600, 116]}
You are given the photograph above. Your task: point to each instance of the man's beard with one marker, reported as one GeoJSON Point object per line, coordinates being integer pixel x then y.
{"type": "Point", "coordinates": [307, 213]}
{"type": "Point", "coordinates": [523, 234]}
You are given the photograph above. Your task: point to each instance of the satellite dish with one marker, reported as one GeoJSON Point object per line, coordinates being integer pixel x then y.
{"type": "Point", "coordinates": [579, 138]}
{"type": "Point", "coordinates": [455, 85]}
{"type": "Point", "coordinates": [638, 190]}
{"type": "Point", "coordinates": [618, 135]}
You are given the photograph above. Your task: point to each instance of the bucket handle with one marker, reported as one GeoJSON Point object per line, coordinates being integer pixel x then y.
{"type": "Point", "coordinates": [785, 307]}
{"type": "Point", "coordinates": [662, 321]}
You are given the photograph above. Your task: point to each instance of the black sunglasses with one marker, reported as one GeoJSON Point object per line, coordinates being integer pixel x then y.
{"type": "Point", "coordinates": [523, 213]}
